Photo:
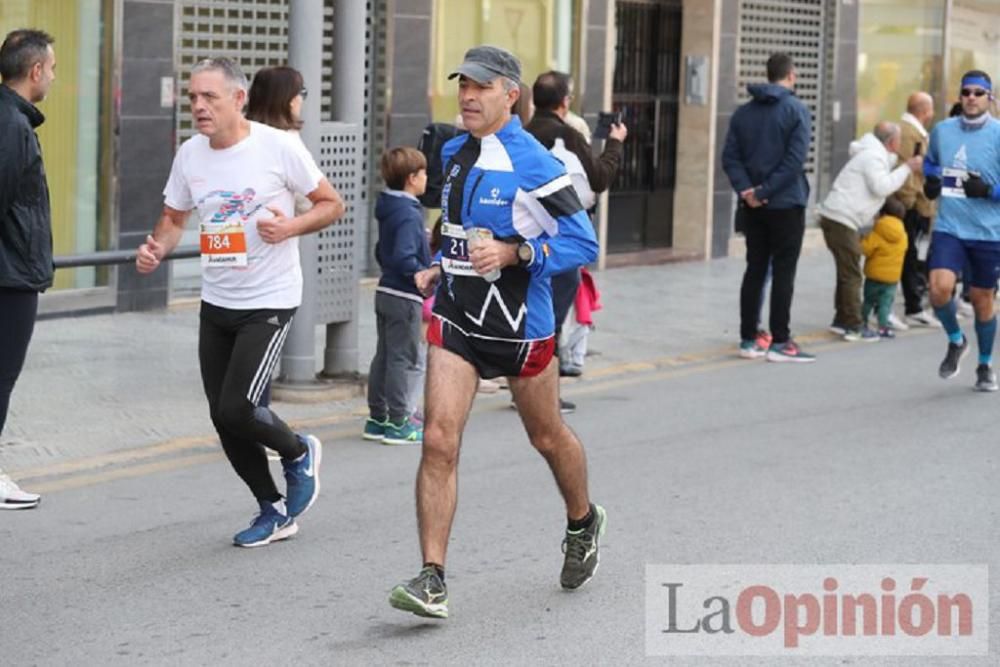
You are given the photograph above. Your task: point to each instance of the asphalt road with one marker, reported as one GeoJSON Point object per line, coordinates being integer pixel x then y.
{"type": "Point", "coordinates": [863, 457]}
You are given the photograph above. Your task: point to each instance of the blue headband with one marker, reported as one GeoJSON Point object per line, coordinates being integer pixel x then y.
{"type": "Point", "coordinates": [976, 81]}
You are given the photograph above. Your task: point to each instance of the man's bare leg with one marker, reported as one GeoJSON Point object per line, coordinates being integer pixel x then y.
{"type": "Point", "coordinates": [448, 395]}
{"type": "Point", "coordinates": [537, 400]}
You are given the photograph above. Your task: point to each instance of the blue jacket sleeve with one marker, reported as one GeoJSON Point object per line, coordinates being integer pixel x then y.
{"type": "Point", "coordinates": [408, 250]}
{"type": "Point", "coordinates": [796, 152]}
{"type": "Point", "coordinates": [732, 158]}
{"type": "Point", "coordinates": [569, 241]}
{"type": "Point", "coordinates": [932, 161]}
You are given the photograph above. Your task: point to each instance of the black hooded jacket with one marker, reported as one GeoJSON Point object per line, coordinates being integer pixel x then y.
{"type": "Point", "coordinates": [25, 217]}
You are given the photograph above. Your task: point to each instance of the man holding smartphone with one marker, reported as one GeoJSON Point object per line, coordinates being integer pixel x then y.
{"type": "Point", "coordinates": [919, 211]}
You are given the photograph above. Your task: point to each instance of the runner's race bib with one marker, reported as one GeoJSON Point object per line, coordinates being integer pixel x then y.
{"type": "Point", "coordinates": [455, 250]}
{"type": "Point", "coordinates": [951, 182]}
{"type": "Point", "coordinates": [223, 244]}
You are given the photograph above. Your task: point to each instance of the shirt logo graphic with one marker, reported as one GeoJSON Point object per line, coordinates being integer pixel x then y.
{"type": "Point", "coordinates": [235, 205]}
{"type": "Point", "coordinates": [494, 199]}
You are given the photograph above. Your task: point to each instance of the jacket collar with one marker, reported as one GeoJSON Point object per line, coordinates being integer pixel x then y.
{"type": "Point", "coordinates": [30, 111]}
{"type": "Point", "coordinates": [912, 120]}
{"type": "Point", "coordinates": [549, 115]}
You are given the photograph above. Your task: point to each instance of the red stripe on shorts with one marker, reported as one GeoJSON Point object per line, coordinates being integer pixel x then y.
{"type": "Point", "coordinates": [540, 354]}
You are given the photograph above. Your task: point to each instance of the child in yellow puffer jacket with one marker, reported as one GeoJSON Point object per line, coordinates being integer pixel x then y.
{"type": "Point", "coordinates": [884, 249]}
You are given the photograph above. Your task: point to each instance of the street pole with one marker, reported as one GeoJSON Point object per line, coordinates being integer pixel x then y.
{"type": "Point", "coordinates": [340, 357]}
{"type": "Point", "coordinates": [305, 53]}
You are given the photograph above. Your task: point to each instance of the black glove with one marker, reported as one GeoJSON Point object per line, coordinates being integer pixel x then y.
{"type": "Point", "coordinates": [976, 188]}
{"type": "Point", "coordinates": [932, 187]}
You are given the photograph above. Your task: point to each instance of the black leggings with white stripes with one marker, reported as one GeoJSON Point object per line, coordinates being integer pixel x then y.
{"type": "Point", "coordinates": [238, 350]}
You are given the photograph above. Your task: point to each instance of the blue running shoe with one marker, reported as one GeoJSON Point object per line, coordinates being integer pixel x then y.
{"type": "Point", "coordinates": [302, 476]}
{"type": "Point", "coordinates": [406, 433]}
{"type": "Point", "coordinates": [271, 525]}
{"type": "Point", "coordinates": [374, 429]}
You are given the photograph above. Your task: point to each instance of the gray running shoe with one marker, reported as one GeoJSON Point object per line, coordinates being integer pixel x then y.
{"type": "Point", "coordinates": [949, 367]}
{"type": "Point", "coordinates": [424, 595]}
{"type": "Point", "coordinates": [581, 549]}
{"type": "Point", "coordinates": [986, 378]}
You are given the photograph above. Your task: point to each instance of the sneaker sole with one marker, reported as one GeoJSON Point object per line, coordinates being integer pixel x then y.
{"type": "Point", "coordinates": [602, 516]}
{"type": "Point", "coordinates": [8, 505]}
{"type": "Point", "coordinates": [317, 453]}
{"type": "Point", "coordinates": [958, 366]}
{"type": "Point", "coordinates": [397, 441]}
{"type": "Point", "coordinates": [782, 359]}
{"type": "Point", "coordinates": [750, 354]}
{"type": "Point", "coordinates": [985, 389]}
{"type": "Point", "coordinates": [371, 436]}
{"type": "Point", "coordinates": [281, 534]}
{"type": "Point", "coordinates": [400, 599]}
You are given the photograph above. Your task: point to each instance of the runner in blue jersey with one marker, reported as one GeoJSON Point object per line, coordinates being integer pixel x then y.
{"type": "Point", "coordinates": [510, 220]}
{"type": "Point", "coordinates": [962, 167]}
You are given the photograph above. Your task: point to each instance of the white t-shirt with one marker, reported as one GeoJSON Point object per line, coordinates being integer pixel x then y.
{"type": "Point", "coordinates": [234, 186]}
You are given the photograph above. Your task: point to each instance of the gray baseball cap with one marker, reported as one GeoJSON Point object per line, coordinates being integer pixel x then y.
{"type": "Point", "coordinates": [484, 63]}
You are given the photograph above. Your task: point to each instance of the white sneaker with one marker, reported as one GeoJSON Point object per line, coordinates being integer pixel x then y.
{"type": "Point", "coordinates": [897, 324]}
{"type": "Point", "coordinates": [13, 498]}
{"type": "Point", "coordinates": [965, 309]}
{"type": "Point", "coordinates": [923, 319]}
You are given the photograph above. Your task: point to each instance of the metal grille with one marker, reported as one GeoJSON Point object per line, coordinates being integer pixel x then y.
{"type": "Point", "coordinates": [795, 27]}
{"type": "Point", "coordinates": [337, 259]}
{"type": "Point", "coordinates": [646, 86]}
{"type": "Point", "coordinates": [252, 32]}
{"type": "Point", "coordinates": [376, 117]}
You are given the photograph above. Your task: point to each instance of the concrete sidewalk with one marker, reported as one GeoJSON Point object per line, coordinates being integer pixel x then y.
{"type": "Point", "coordinates": [96, 385]}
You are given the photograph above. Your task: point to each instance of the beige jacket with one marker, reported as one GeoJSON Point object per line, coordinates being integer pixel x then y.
{"type": "Point", "coordinates": [912, 192]}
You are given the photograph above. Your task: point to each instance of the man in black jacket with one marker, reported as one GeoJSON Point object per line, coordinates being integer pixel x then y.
{"type": "Point", "coordinates": [590, 175]}
{"type": "Point", "coordinates": [27, 69]}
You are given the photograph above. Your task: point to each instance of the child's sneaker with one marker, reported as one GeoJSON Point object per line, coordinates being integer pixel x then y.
{"type": "Point", "coordinates": [407, 433]}
{"type": "Point", "coordinates": [886, 332]}
{"type": "Point", "coordinates": [374, 429]}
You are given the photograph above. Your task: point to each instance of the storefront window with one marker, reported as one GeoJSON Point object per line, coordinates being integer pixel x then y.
{"type": "Point", "coordinates": [900, 51]}
{"type": "Point", "coordinates": [534, 30]}
{"type": "Point", "coordinates": [72, 136]}
{"type": "Point", "coordinates": [974, 42]}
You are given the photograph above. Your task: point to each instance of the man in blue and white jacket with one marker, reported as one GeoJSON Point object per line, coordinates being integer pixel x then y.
{"type": "Point", "coordinates": [962, 167]}
{"type": "Point", "coordinates": [510, 220]}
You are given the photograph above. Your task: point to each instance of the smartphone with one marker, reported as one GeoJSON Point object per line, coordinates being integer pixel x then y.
{"type": "Point", "coordinates": [605, 120]}
{"type": "Point", "coordinates": [917, 147]}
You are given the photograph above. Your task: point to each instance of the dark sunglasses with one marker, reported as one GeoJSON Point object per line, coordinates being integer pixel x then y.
{"type": "Point", "coordinates": [304, 92]}
{"type": "Point", "coordinates": [969, 92]}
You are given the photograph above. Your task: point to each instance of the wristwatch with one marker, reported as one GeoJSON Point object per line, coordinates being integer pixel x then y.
{"type": "Point", "coordinates": [525, 254]}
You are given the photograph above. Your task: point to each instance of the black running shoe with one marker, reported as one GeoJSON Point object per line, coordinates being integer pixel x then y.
{"type": "Point", "coordinates": [581, 549]}
{"type": "Point", "coordinates": [949, 367]}
{"type": "Point", "coordinates": [986, 378]}
{"type": "Point", "coordinates": [566, 407]}
{"type": "Point", "coordinates": [424, 595]}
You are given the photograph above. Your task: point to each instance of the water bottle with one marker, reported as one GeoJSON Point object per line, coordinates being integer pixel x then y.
{"type": "Point", "coordinates": [474, 236]}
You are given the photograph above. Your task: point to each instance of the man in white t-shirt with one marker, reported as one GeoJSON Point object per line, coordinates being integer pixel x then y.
{"type": "Point", "coordinates": [242, 177]}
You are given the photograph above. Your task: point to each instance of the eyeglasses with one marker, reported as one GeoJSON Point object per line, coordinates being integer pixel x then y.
{"type": "Point", "coordinates": [304, 92]}
{"type": "Point", "coordinates": [970, 92]}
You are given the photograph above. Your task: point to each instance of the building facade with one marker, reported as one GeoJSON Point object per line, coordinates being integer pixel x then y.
{"type": "Point", "coordinates": [676, 69]}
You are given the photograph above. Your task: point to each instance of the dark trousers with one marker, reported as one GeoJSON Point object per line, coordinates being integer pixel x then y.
{"type": "Point", "coordinates": [878, 297]}
{"type": "Point", "coordinates": [397, 357]}
{"type": "Point", "coordinates": [774, 236]}
{"type": "Point", "coordinates": [845, 246]}
{"type": "Point", "coordinates": [914, 279]}
{"type": "Point", "coordinates": [238, 350]}
{"type": "Point", "coordinates": [17, 322]}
